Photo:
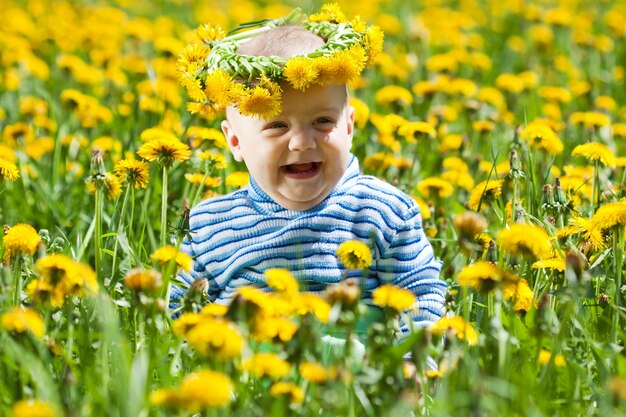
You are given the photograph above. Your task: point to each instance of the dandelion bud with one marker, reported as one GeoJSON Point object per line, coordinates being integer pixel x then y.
{"type": "Point", "coordinates": [346, 292]}
{"type": "Point", "coordinates": [574, 267]}
{"type": "Point", "coordinates": [140, 280]}
{"type": "Point", "coordinates": [182, 228]}
{"type": "Point", "coordinates": [603, 300]}
{"type": "Point", "coordinates": [560, 200]}
{"type": "Point", "coordinates": [492, 252]}
{"type": "Point", "coordinates": [97, 163]}
{"type": "Point", "coordinates": [548, 198]}
{"type": "Point", "coordinates": [515, 170]}
{"type": "Point", "coordinates": [469, 224]}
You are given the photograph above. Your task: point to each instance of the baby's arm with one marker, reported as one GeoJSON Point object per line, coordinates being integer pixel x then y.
{"type": "Point", "coordinates": [408, 262]}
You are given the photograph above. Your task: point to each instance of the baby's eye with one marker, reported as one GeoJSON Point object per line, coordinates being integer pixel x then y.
{"type": "Point", "coordinates": [275, 125]}
{"type": "Point", "coordinates": [324, 122]}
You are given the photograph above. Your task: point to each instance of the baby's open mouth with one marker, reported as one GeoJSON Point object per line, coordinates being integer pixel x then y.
{"type": "Point", "coordinates": [303, 170]}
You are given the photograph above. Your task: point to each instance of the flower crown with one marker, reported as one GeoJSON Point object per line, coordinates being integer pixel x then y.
{"type": "Point", "coordinates": [216, 76]}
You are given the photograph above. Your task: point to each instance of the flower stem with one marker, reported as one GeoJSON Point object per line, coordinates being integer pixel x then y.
{"type": "Point", "coordinates": [164, 209]}
{"type": "Point", "coordinates": [98, 234]}
{"type": "Point", "coordinates": [17, 281]}
{"type": "Point", "coordinates": [618, 258]}
{"type": "Point", "coordinates": [120, 227]}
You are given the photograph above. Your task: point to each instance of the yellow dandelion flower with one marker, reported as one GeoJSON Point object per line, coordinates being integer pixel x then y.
{"type": "Point", "coordinates": [608, 216]}
{"type": "Point", "coordinates": [483, 276]}
{"type": "Point", "coordinates": [21, 320]}
{"type": "Point", "coordinates": [435, 187]}
{"type": "Point", "coordinates": [542, 137]}
{"type": "Point", "coordinates": [462, 179]}
{"type": "Point", "coordinates": [605, 103]}
{"type": "Point", "coordinates": [260, 102]}
{"type": "Point", "coordinates": [214, 310]}
{"type": "Point", "coordinates": [341, 67]}
{"type": "Point", "coordinates": [330, 12]}
{"type": "Point", "coordinates": [165, 254]}
{"type": "Point", "coordinates": [483, 126]}
{"type": "Point", "coordinates": [215, 337]}
{"type": "Point", "coordinates": [192, 57]}
{"type": "Point", "coordinates": [414, 130]}
{"type": "Point", "coordinates": [261, 300]}
{"type": "Point", "coordinates": [276, 329]}
{"type": "Point", "coordinates": [312, 303]}
{"type": "Point", "coordinates": [555, 264]}
{"type": "Point", "coordinates": [289, 390]}
{"type": "Point", "coordinates": [267, 364]}
{"type": "Point", "coordinates": [7, 153]}
{"type": "Point", "coordinates": [485, 192]}
{"type": "Point", "coordinates": [183, 324]}
{"type": "Point", "coordinates": [207, 33]}
{"type": "Point", "coordinates": [143, 280]}
{"type": "Point", "coordinates": [112, 186]}
{"type": "Point", "coordinates": [204, 389]}
{"type": "Point", "coordinates": [8, 170]}
{"type": "Point", "coordinates": [424, 208]}
{"type": "Point", "coordinates": [73, 278]}
{"type": "Point", "coordinates": [198, 178]}
{"type": "Point", "coordinates": [521, 294]}
{"type": "Point", "coordinates": [157, 132]}
{"type": "Point", "coordinates": [595, 152]}
{"type": "Point", "coordinates": [237, 179]}
{"type": "Point", "coordinates": [374, 39]}
{"type": "Point", "coordinates": [555, 94]}
{"type": "Point", "coordinates": [193, 87]}
{"type": "Point", "coordinates": [393, 94]}
{"type": "Point", "coordinates": [217, 87]}
{"type": "Point", "coordinates": [510, 82]}
{"type": "Point", "coordinates": [281, 280]}
{"type": "Point", "coordinates": [457, 326]}
{"type": "Point", "coordinates": [300, 72]}
{"type": "Point", "coordinates": [43, 292]}
{"type": "Point", "coordinates": [133, 172]}
{"type": "Point", "coordinates": [361, 112]}
{"type": "Point", "coordinates": [442, 63]}
{"type": "Point", "coordinates": [596, 119]}
{"type": "Point", "coordinates": [619, 130]}
{"type": "Point", "coordinates": [316, 372]}
{"type": "Point", "coordinates": [33, 408]}
{"type": "Point", "coordinates": [354, 255]}
{"type": "Point", "coordinates": [525, 240]}
{"type": "Point", "coordinates": [545, 356]}
{"type": "Point", "coordinates": [395, 298]}
{"type": "Point", "coordinates": [164, 150]}
{"type": "Point", "coordinates": [450, 142]}
{"type": "Point", "coordinates": [58, 277]}
{"type": "Point", "coordinates": [21, 238]}
{"type": "Point", "coordinates": [215, 160]}
{"type": "Point", "coordinates": [207, 111]}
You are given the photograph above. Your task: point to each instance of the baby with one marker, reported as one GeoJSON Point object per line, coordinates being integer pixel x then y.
{"type": "Point", "coordinates": [306, 196]}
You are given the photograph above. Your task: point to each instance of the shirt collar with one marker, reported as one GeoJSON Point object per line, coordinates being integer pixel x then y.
{"type": "Point", "coordinates": [266, 205]}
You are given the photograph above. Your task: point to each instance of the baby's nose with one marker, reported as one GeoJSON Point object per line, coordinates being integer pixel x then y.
{"type": "Point", "coordinates": [302, 141]}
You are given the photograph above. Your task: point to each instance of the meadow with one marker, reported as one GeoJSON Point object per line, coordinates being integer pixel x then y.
{"type": "Point", "coordinates": [505, 121]}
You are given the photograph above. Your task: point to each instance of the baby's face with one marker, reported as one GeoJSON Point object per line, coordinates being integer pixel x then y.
{"type": "Point", "coordinates": [297, 157]}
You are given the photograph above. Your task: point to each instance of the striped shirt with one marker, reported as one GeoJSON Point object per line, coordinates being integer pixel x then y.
{"type": "Point", "coordinates": [236, 237]}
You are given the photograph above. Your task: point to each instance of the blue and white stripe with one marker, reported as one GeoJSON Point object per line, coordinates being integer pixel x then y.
{"type": "Point", "coordinates": [235, 238]}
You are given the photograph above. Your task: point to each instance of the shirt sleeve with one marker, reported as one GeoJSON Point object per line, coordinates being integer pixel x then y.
{"type": "Point", "coordinates": [184, 279]}
{"type": "Point", "coordinates": [408, 262]}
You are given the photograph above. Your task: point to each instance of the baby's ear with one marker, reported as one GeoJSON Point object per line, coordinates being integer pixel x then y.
{"type": "Point", "coordinates": [232, 140]}
{"type": "Point", "coordinates": [350, 119]}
